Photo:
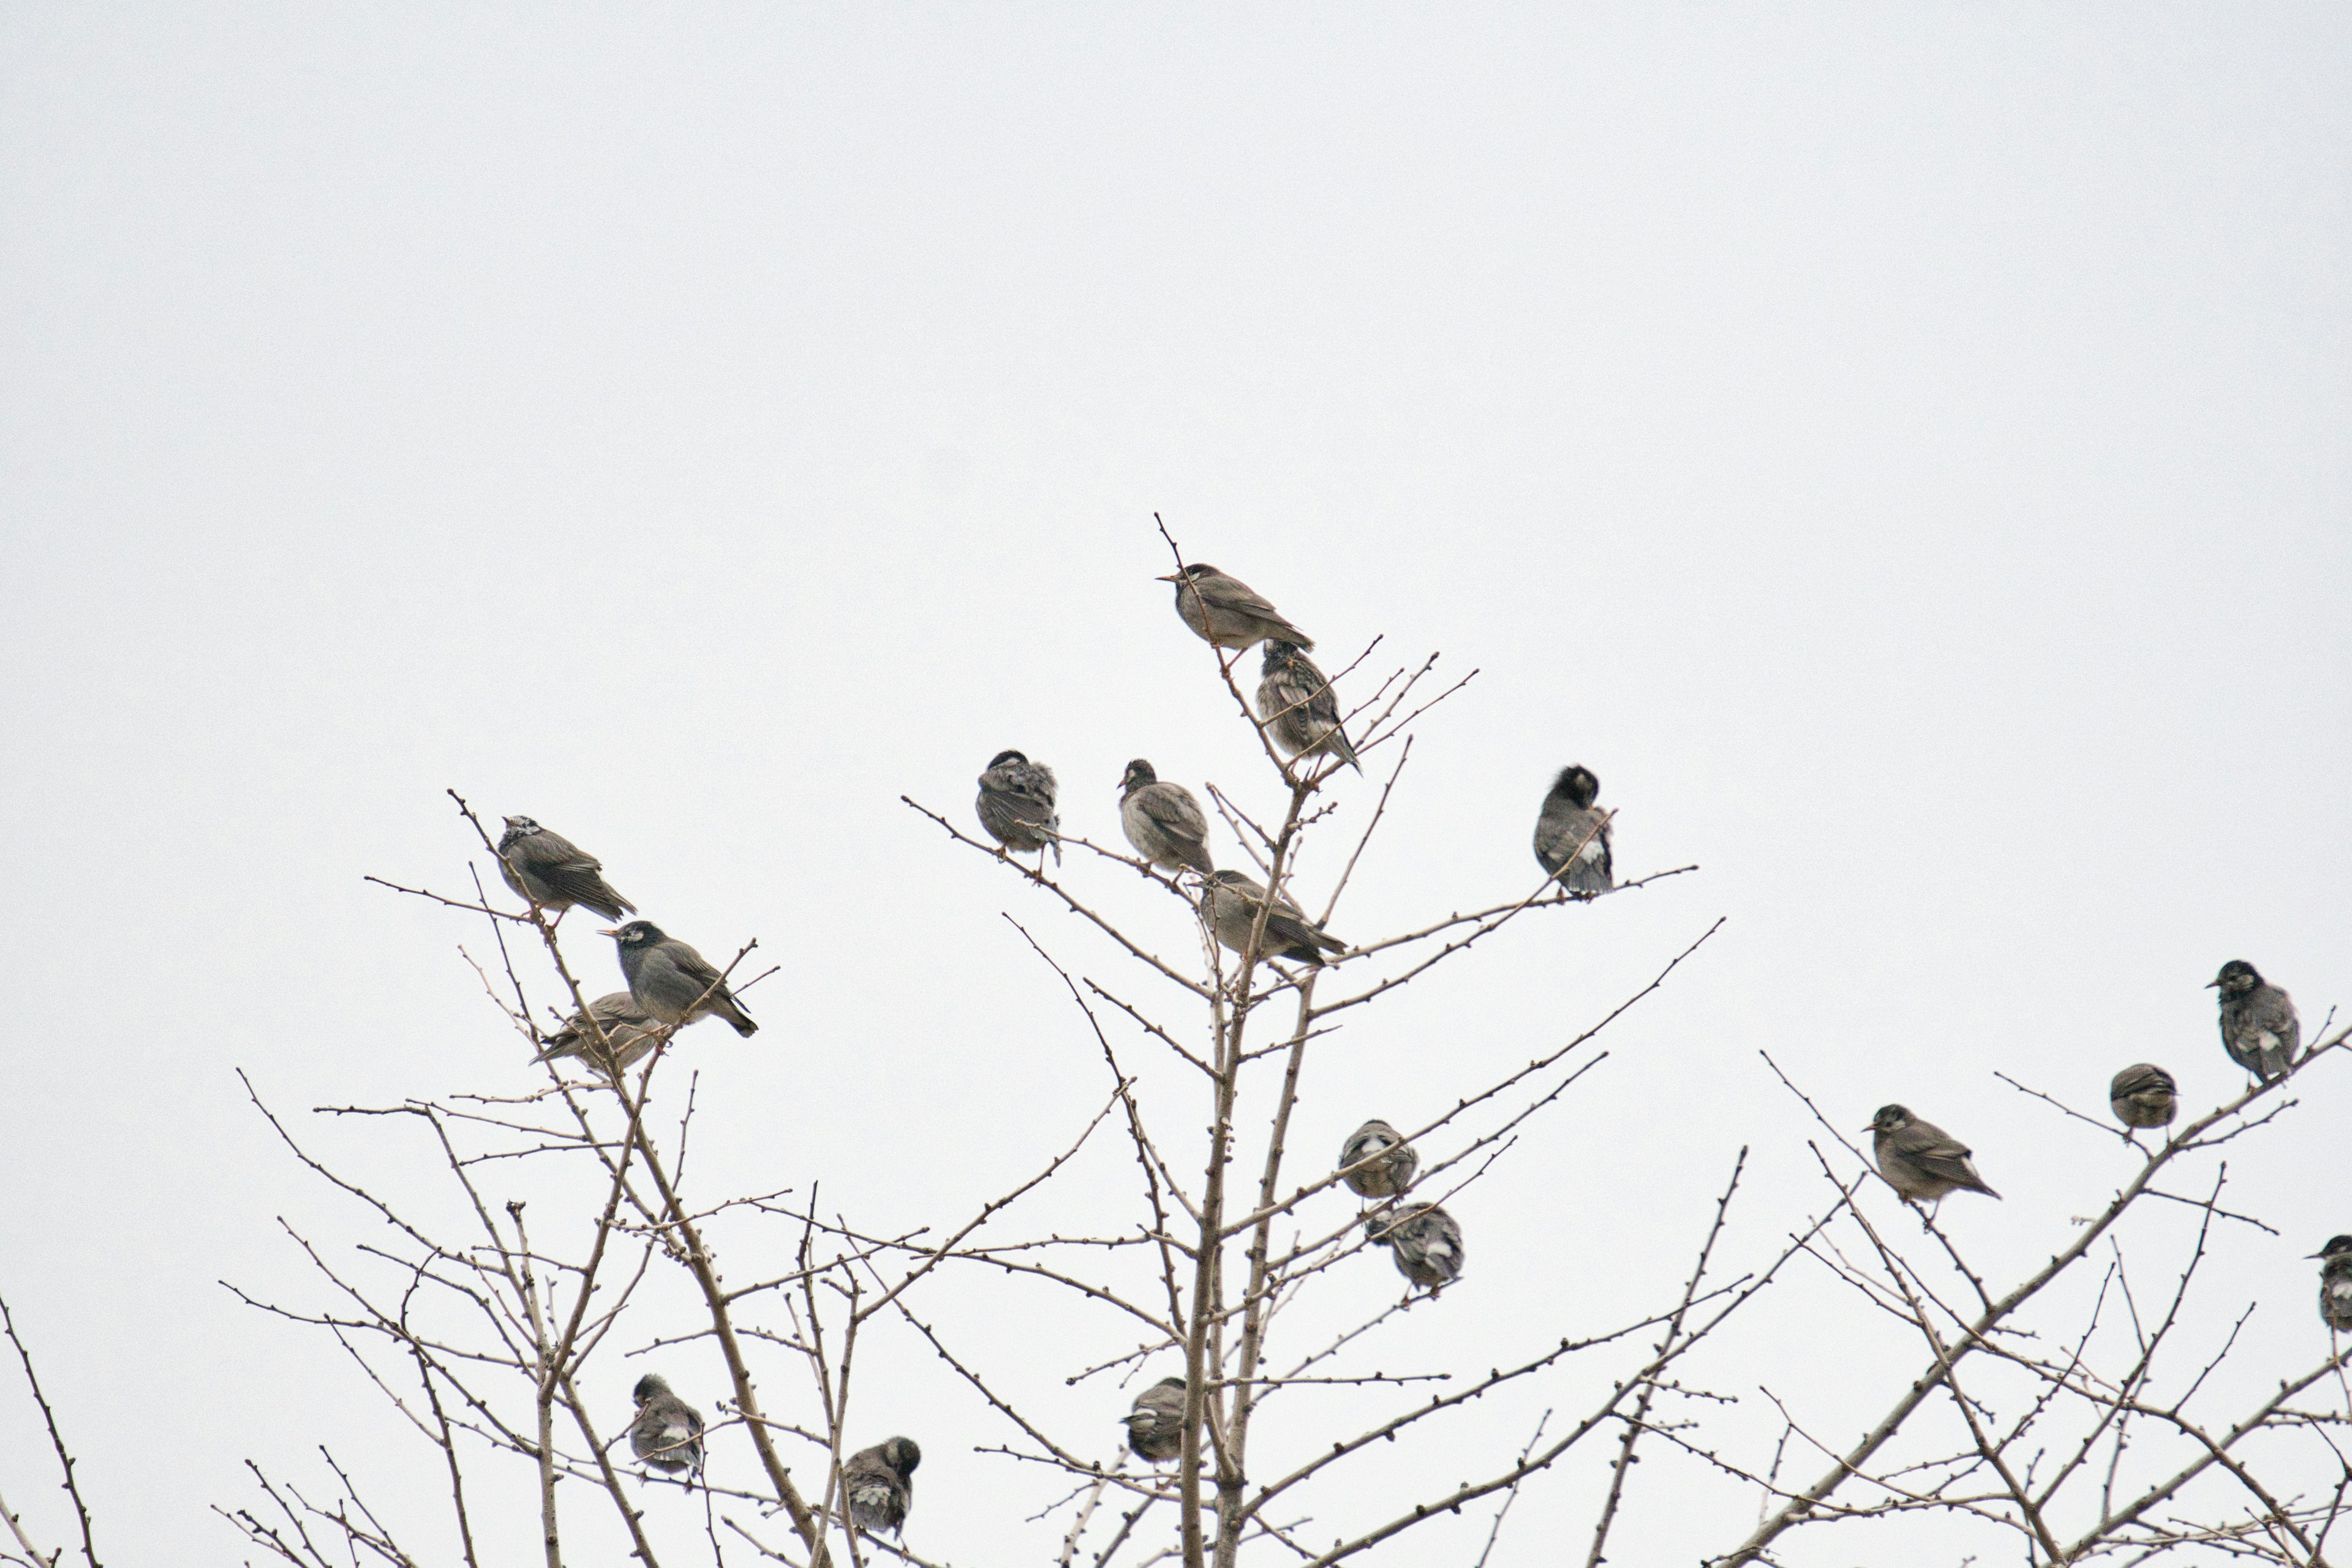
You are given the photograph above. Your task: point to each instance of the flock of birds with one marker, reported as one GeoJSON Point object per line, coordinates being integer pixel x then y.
{"type": "Point", "coordinates": [670, 985]}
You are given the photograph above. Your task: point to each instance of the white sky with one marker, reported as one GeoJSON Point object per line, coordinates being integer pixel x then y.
{"type": "Point", "coordinates": [1902, 450]}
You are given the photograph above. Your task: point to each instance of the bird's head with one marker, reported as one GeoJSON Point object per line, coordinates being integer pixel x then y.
{"type": "Point", "coordinates": [902, 1455]}
{"type": "Point", "coordinates": [1577, 783]}
{"type": "Point", "coordinates": [649, 1387]}
{"type": "Point", "coordinates": [1192, 574]}
{"type": "Point", "coordinates": [1890, 1119]}
{"type": "Point", "coordinates": [518, 827]}
{"type": "Point", "coordinates": [635, 934]}
{"type": "Point", "coordinates": [1002, 758]}
{"type": "Point", "coordinates": [1139, 773]}
{"type": "Point", "coordinates": [1279, 655]}
{"type": "Point", "coordinates": [2337, 1246]}
{"type": "Point", "coordinates": [2236, 978]}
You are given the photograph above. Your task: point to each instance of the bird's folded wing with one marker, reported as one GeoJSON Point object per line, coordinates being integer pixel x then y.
{"type": "Point", "coordinates": [1179, 813]}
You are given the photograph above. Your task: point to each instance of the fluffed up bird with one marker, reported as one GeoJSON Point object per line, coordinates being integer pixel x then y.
{"type": "Point", "coordinates": [1232, 901]}
{"type": "Point", "coordinates": [1920, 1160]}
{"type": "Point", "coordinates": [1155, 1427]}
{"type": "Point", "coordinates": [668, 1431]}
{"type": "Point", "coordinates": [1572, 834]}
{"type": "Point", "coordinates": [2259, 1028]}
{"type": "Point", "coordinates": [555, 873]}
{"type": "Point", "coordinates": [879, 1484]}
{"type": "Point", "coordinates": [1425, 1240]}
{"type": "Point", "coordinates": [1016, 805]}
{"type": "Point", "coordinates": [674, 984]}
{"type": "Point", "coordinates": [2144, 1095]}
{"type": "Point", "coordinates": [1227, 612]}
{"type": "Point", "coordinates": [1379, 1163]}
{"type": "Point", "coordinates": [1162, 820]}
{"type": "Point", "coordinates": [2336, 1283]}
{"type": "Point", "coordinates": [627, 1030]}
{"type": "Point", "coordinates": [1300, 708]}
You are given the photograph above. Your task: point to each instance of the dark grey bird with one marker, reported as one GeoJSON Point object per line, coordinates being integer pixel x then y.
{"type": "Point", "coordinates": [668, 1431]}
{"type": "Point", "coordinates": [1425, 1240]}
{"type": "Point", "coordinates": [2336, 1283]}
{"type": "Point", "coordinates": [2259, 1028]}
{"type": "Point", "coordinates": [674, 984]}
{"type": "Point", "coordinates": [1162, 820]}
{"type": "Point", "coordinates": [627, 1030]}
{"type": "Point", "coordinates": [1155, 1427]}
{"type": "Point", "coordinates": [1016, 805]}
{"type": "Point", "coordinates": [1920, 1160]}
{"type": "Point", "coordinates": [1227, 612]}
{"type": "Point", "coordinates": [2144, 1095]}
{"type": "Point", "coordinates": [880, 1485]}
{"type": "Point", "coordinates": [555, 873]}
{"type": "Point", "coordinates": [1300, 709]}
{"type": "Point", "coordinates": [1379, 1162]}
{"type": "Point", "coordinates": [1232, 901]}
{"type": "Point", "coordinates": [1572, 834]}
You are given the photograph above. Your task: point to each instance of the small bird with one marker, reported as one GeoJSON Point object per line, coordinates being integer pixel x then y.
{"type": "Point", "coordinates": [1300, 709]}
{"type": "Point", "coordinates": [2144, 1095]}
{"type": "Point", "coordinates": [878, 1484]}
{"type": "Point", "coordinates": [1572, 835]}
{"type": "Point", "coordinates": [667, 978]}
{"type": "Point", "coordinates": [1425, 1240]}
{"type": "Point", "coordinates": [2259, 1028]}
{"type": "Point", "coordinates": [1919, 1158]}
{"type": "Point", "coordinates": [627, 1028]}
{"type": "Point", "coordinates": [554, 873]}
{"type": "Point", "coordinates": [1162, 820]}
{"type": "Point", "coordinates": [1016, 805]}
{"type": "Point", "coordinates": [1155, 1427]}
{"type": "Point", "coordinates": [1227, 612]}
{"type": "Point", "coordinates": [1379, 1162]}
{"type": "Point", "coordinates": [2336, 1283]}
{"type": "Point", "coordinates": [1232, 901]}
{"type": "Point", "coordinates": [667, 1432]}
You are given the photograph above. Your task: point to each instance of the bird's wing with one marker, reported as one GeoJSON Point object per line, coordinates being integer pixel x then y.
{"type": "Point", "coordinates": [693, 966]}
{"type": "Point", "coordinates": [1938, 1153]}
{"type": "Point", "coordinates": [1233, 594]}
{"type": "Point", "coordinates": [1174, 808]}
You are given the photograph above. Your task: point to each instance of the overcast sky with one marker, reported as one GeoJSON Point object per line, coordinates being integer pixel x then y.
{"type": "Point", "coordinates": [1901, 450]}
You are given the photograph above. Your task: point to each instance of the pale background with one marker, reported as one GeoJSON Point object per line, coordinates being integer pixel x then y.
{"type": "Point", "coordinates": [1901, 450]}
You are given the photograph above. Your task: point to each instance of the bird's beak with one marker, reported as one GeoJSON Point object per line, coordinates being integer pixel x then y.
{"type": "Point", "coordinates": [1872, 1128]}
{"type": "Point", "coordinates": [613, 931]}
{"type": "Point", "coordinates": [2210, 984]}
{"type": "Point", "coordinates": [1170, 577]}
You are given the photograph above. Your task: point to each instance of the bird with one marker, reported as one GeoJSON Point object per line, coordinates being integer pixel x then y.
{"type": "Point", "coordinates": [554, 873]}
{"type": "Point", "coordinates": [1155, 1427]}
{"type": "Point", "coordinates": [1572, 834]}
{"type": "Point", "coordinates": [1379, 1163]}
{"type": "Point", "coordinates": [1426, 1241]}
{"type": "Point", "coordinates": [1919, 1158]}
{"type": "Point", "coordinates": [2259, 1028]}
{"type": "Point", "coordinates": [1162, 820]}
{"type": "Point", "coordinates": [674, 984]}
{"type": "Point", "coordinates": [878, 1483]}
{"type": "Point", "coordinates": [2336, 1283]}
{"type": "Point", "coordinates": [1232, 901]}
{"type": "Point", "coordinates": [1225, 612]}
{"type": "Point", "coordinates": [1300, 709]}
{"type": "Point", "coordinates": [627, 1028]}
{"type": "Point", "coordinates": [668, 1431]}
{"type": "Point", "coordinates": [1016, 805]}
{"type": "Point", "coordinates": [2144, 1095]}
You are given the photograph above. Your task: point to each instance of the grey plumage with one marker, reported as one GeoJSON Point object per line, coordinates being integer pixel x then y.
{"type": "Point", "coordinates": [1227, 611]}
{"type": "Point", "coordinates": [1572, 834]}
{"type": "Point", "coordinates": [1155, 1427]}
{"type": "Point", "coordinates": [1391, 1161]}
{"type": "Point", "coordinates": [1920, 1160]}
{"type": "Point", "coordinates": [2259, 1028]}
{"type": "Point", "coordinates": [2336, 1283]}
{"type": "Point", "coordinates": [1300, 708]}
{"type": "Point", "coordinates": [1232, 901]}
{"type": "Point", "coordinates": [2144, 1095]}
{"type": "Point", "coordinates": [1162, 820]}
{"type": "Point", "coordinates": [627, 1028]}
{"type": "Point", "coordinates": [555, 873]}
{"type": "Point", "coordinates": [1016, 805]}
{"type": "Point", "coordinates": [668, 1431]}
{"type": "Point", "coordinates": [879, 1484]}
{"type": "Point", "coordinates": [674, 984]}
{"type": "Point", "coordinates": [1425, 1240]}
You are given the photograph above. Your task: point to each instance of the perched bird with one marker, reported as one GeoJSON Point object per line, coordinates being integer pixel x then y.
{"type": "Point", "coordinates": [1572, 834]}
{"type": "Point", "coordinates": [2336, 1283]}
{"type": "Point", "coordinates": [674, 984]}
{"type": "Point", "coordinates": [667, 1432]}
{"type": "Point", "coordinates": [878, 1483]}
{"type": "Point", "coordinates": [1155, 1427]}
{"type": "Point", "coordinates": [2259, 1028]}
{"type": "Point", "coordinates": [1162, 820]}
{"type": "Point", "coordinates": [1232, 901]}
{"type": "Point", "coordinates": [1225, 612]}
{"type": "Point", "coordinates": [1919, 1158]}
{"type": "Point", "coordinates": [1425, 1240]}
{"type": "Point", "coordinates": [2144, 1095]}
{"type": "Point", "coordinates": [1300, 709]}
{"type": "Point", "coordinates": [1382, 1162]}
{"type": "Point", "coordinates": [626, 1028]}
{"type": "Point", "coordinates": [1016, 805]}
{"type": "Point", "coordinates": [555, 873]}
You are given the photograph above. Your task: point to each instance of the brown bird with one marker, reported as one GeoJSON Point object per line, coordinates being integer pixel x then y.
{"type": "Point", "coordinates": [1227, 612]}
